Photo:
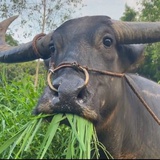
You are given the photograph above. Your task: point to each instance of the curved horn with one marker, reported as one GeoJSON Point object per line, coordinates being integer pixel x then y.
{"type": "Point", "coordinates": [23, 52]}
{"type": "Point", "coordinates": [136, 32]}
{"type": "Point", "coordinates": [3, 28]}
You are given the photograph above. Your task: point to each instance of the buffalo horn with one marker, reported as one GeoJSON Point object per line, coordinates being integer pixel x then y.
{"type": "Point", "coordinates": [38, 48]}
{"type": "Point", "coordinates": [125, 32]}
{"type": "Point", "coordinates": [136, 32]}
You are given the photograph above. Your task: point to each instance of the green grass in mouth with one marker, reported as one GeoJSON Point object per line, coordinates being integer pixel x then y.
{"type": "Point", "coordinates": [80, 141]}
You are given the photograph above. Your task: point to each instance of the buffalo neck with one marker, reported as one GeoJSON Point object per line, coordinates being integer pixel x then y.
{"type": "Point", "coordinates": [127, 122]}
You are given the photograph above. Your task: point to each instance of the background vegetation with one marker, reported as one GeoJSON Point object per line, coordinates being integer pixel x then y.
{"type": "Point", "coordinates": [149, 11]}
{"type": "Point", "coordinates": [17, 99]}
{"type": "Point", "coordinates": [18, 95]}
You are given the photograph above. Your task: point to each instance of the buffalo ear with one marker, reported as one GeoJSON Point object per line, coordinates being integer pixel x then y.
{"type": "Point", "coordinates": [131, 55]}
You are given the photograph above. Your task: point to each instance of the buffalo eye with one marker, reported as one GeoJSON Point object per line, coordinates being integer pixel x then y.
{"type": "Point", "coordinates": [52, 47]}
{"type": "Point", "coordinates": [107, 41]}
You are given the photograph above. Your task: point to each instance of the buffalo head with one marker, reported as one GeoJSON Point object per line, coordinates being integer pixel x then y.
{"type": "Point", "coordinates": [78, 50]}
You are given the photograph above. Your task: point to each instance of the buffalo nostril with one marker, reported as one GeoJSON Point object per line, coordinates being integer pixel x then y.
{"type": "Point", "coordinates": [81, 95]}
{"type": "Point", "coordinates": [56, 84]}
{"type": "Point", "coordinates": [56, 87]}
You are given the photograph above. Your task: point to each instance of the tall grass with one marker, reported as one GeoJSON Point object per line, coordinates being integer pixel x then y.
{"type": "Point", "coordinates": [25, 136]}
{"type": "Point", "coordinates": [17, 99]}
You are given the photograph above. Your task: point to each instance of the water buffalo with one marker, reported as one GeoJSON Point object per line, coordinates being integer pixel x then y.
{"type": "Point", "coordinates": [90, 58]}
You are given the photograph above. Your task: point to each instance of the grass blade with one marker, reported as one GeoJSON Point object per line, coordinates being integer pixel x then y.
{"type": "Point", "coordinates": [12, 139]}
{"type": "Point", "coordinates": [70, 119]}
{"type": "Point", "coordinates": [38, 124]}
{"type": "Point", "coordinates": [50, 134]}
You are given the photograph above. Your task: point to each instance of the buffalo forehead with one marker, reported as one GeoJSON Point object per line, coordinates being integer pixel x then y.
{"type": "Point", "coordinates": [85, 26]}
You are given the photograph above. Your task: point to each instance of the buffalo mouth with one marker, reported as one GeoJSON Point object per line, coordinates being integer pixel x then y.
{"type": "Point", "coordinates": [55, 106]}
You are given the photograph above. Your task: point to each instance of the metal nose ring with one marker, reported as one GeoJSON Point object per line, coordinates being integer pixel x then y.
{"type": "Point", "coordinates": [73, 65]}
{"type": "Point", "coordinates": [49, 80]}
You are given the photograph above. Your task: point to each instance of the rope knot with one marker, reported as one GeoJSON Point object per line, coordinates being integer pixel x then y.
{"type": "Point", "coordinates": [34, 46]}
